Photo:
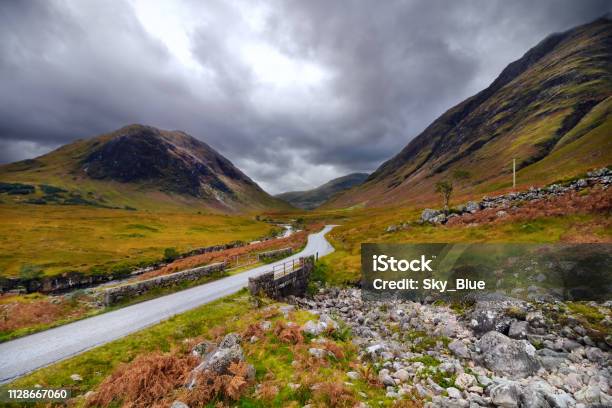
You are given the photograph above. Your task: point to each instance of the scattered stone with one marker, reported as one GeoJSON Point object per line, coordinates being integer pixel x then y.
{"type": "Point", "coordinates": [317, 352]}
{"type": "Point", "coordinates": [314, 328]}
{"type": "Point", "coordinates": [402, 375]}
{"type": "Point", "coordinates": [428, 214]}
{"type": "Point", "coordinates": [459, 349]}
{"type": "Point", "coordinates": [76, 377]}
{"type": "Point", "coordinates": [385, 378]}
{"type": "Point", "coordinates": [505, 395]}
{"type": "Point", "coordinates": [179, 404]}
{"type": "Point", "coordinates": [518, 330]}
{"type": "Point", "coordinates": [453, 393]}
{"type": "Point", "coordinates": [464, 381]}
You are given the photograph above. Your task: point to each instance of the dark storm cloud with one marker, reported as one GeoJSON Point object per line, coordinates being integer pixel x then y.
{"type": "Point", "coordinates": [375, 76]}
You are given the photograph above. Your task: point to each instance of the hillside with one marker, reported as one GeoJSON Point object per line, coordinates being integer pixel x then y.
{"type": "Point", "coordinates": [549, 110]}
{"type": "Point", "coordinates": [310, 199]}
{"type": "Point", "coordinates": [137, 167]}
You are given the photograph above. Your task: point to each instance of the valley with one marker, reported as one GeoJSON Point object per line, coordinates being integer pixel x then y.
{"type": "Point", "coordinates": [142, 205]}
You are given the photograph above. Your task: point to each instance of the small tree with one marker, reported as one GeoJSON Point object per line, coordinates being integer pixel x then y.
{"type": "Point", "coordinates": [170, 254]}
{"type": "Point", "coordinates": [445, 188]}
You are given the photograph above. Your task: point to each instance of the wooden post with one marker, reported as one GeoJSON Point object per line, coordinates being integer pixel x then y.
{"type": "Point", "coordinates": [513, 173]}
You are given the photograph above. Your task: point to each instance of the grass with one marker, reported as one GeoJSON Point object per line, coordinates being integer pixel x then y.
{"type": "Point", "coordinates": [279, 358]}
{"type": "Point", "coordinates": [59, 239]}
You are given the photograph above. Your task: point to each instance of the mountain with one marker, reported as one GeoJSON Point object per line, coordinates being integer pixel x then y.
{"type": "Point", "coordinates": [310, 199]}
{"type": "Point", "coordinates": [141, 167]}
{"type": "Point", "coordinates": [549, 110]}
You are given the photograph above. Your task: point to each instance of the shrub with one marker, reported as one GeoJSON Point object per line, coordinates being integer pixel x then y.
{"type": "Point", "coordinates": [170, 254]}
{"type": "Point", "coordinates": [16, 188]}
{"type": "Point", "coordinates": [51, 190]}
{"type": "Point", "coordinates": [29, 272]}
{"type": "Point", "coordinates": [144, 381]}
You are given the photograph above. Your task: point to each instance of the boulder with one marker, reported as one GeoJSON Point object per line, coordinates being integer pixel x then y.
{"type": "Point", "coordinates": [230, 340]}
{"type": "Point", "coordinates": [219, 360]}
{"type": "Point", "coordinates": [507, 357]}
{"type": "Point", "coordinates": [402, 375]}
{"type": "Point", "coordinates": [428, 214]}
{"type": "Point", "coordinates": [472, 206]}
{"type": "Point", "coordinates": [490, 312]}
{"type": "Point", "coordinates": [317, 352]}
{"type": "Point", "coordinates": [314, 328]}
{"type": "Point", "coordinates": [459, 349]}
{"type": "Point", "coordinates": [464, 381]}
{"type": "Point", "coordinates": [518, 330]}
{"type": "Point", "coordinates": [453, 393]}
{"type": "Point", "coordinates": [506, 395]}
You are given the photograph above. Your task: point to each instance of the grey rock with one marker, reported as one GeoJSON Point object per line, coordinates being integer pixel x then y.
{"type": "Point", "coordinates": [596, 355]}
{"type": "Point", "coordinates": [402, 375]}
{"type": "Point", "coordinates": [506, 395]}
{"type": "Point", "coordinates": [472, 206]}
{"type": "Point", "coordinates": [428, 214]}
{"type": "Point", "coordinates": [386, 379]}
{"type": "Point", "coordinates": [353, 375]}
{"type": "Point", "coordinates": [464, 381]}
{"type": "Point", "coordinates": [588, 395]}
{"type": "Point", "coordinates": [219, 360]}
{"type": "Point", "coordinates": [317, 352]}
{"type": "Point", "coordinates": [179, 404]}
{"type": "Point", "coordinates": [537, 394]}
{"type": "Point", "coordinates": [454, 393]}
{"type": "Point", "coordinates": [459, 349]}
{"type": "Point", "coordinates": [230, 340]}
{"type": "Point", "coordinates": [508, 357]}
{"type": "Point", "coordinates": [518, 330]}
{"type": "Point", "coordinates": [314, 328]}
{"type": "Point", "coordinates": [203, 348]}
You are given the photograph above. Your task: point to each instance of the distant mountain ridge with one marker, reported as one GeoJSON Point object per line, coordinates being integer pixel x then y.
{"type": "Point", "coordinates": [310, 199]}
{"type": "Point", "coordinates": [169, 167]}
{"type": "Point", "coordinates": [549, 110]}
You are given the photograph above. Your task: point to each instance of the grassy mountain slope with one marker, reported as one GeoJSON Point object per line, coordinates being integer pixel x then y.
{"type": "Point", "coordinates": [310, 199]}
{"type": "Point", "coordinates": [140, 167]}
{"type": "Point", "coordinates": [549, 110]}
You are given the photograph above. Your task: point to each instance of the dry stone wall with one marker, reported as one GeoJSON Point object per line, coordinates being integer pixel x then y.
{"type": "Point", "coordinates": [113, 295]}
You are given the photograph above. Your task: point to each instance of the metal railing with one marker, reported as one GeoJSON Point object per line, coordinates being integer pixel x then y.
{"type": "Point", "coordinates": [287, 268]}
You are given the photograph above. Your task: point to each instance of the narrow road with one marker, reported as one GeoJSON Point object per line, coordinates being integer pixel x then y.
{"type": "Point", "coordinates": [21, 356]}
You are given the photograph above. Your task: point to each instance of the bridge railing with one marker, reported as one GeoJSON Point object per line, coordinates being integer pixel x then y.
{"type": "Point", "coordinates": [287, 268]}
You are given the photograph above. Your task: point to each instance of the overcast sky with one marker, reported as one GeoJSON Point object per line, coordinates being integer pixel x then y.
{"type": "Point", "coordinates": [293, 92]}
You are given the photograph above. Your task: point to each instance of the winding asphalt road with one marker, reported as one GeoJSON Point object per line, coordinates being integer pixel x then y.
{"type": "Point", "coordinates": [21, 356]}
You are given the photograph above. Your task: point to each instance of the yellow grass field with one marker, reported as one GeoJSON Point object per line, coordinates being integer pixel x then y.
{"type": "Point", "coordinates": [57, 239]}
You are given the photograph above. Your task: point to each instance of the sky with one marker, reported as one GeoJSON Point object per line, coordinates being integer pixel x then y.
{"type": "Point", "coordinates": [294, 93]}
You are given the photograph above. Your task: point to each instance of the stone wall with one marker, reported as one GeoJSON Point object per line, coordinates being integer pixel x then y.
{"type": "Point", "coordinates": [294, 283]}
{"type": "Point", "coordinates": [275, 253]}
{"type": "Point", "coordinates": [113, 295]}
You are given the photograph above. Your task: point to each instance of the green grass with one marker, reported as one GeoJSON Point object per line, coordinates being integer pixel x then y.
{"type": "Point", "coordinates": [368, 226]}
{"type": "Point", "coordinates": [272, 358]}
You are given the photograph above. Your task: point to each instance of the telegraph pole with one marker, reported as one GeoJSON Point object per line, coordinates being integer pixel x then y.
{"type": "Point", "coordinates": [513, 173]}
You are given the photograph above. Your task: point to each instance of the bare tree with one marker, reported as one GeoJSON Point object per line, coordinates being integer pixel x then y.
{"type": "Point", "coordinates": [445, 188]}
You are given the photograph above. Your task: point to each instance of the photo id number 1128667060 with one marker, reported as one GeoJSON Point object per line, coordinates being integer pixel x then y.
{"type": "Point", "coordinates": [34, 394]}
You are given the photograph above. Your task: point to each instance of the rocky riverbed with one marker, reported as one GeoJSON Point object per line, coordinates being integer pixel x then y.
{"type": "Point", "coordinates": [494, 352]}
